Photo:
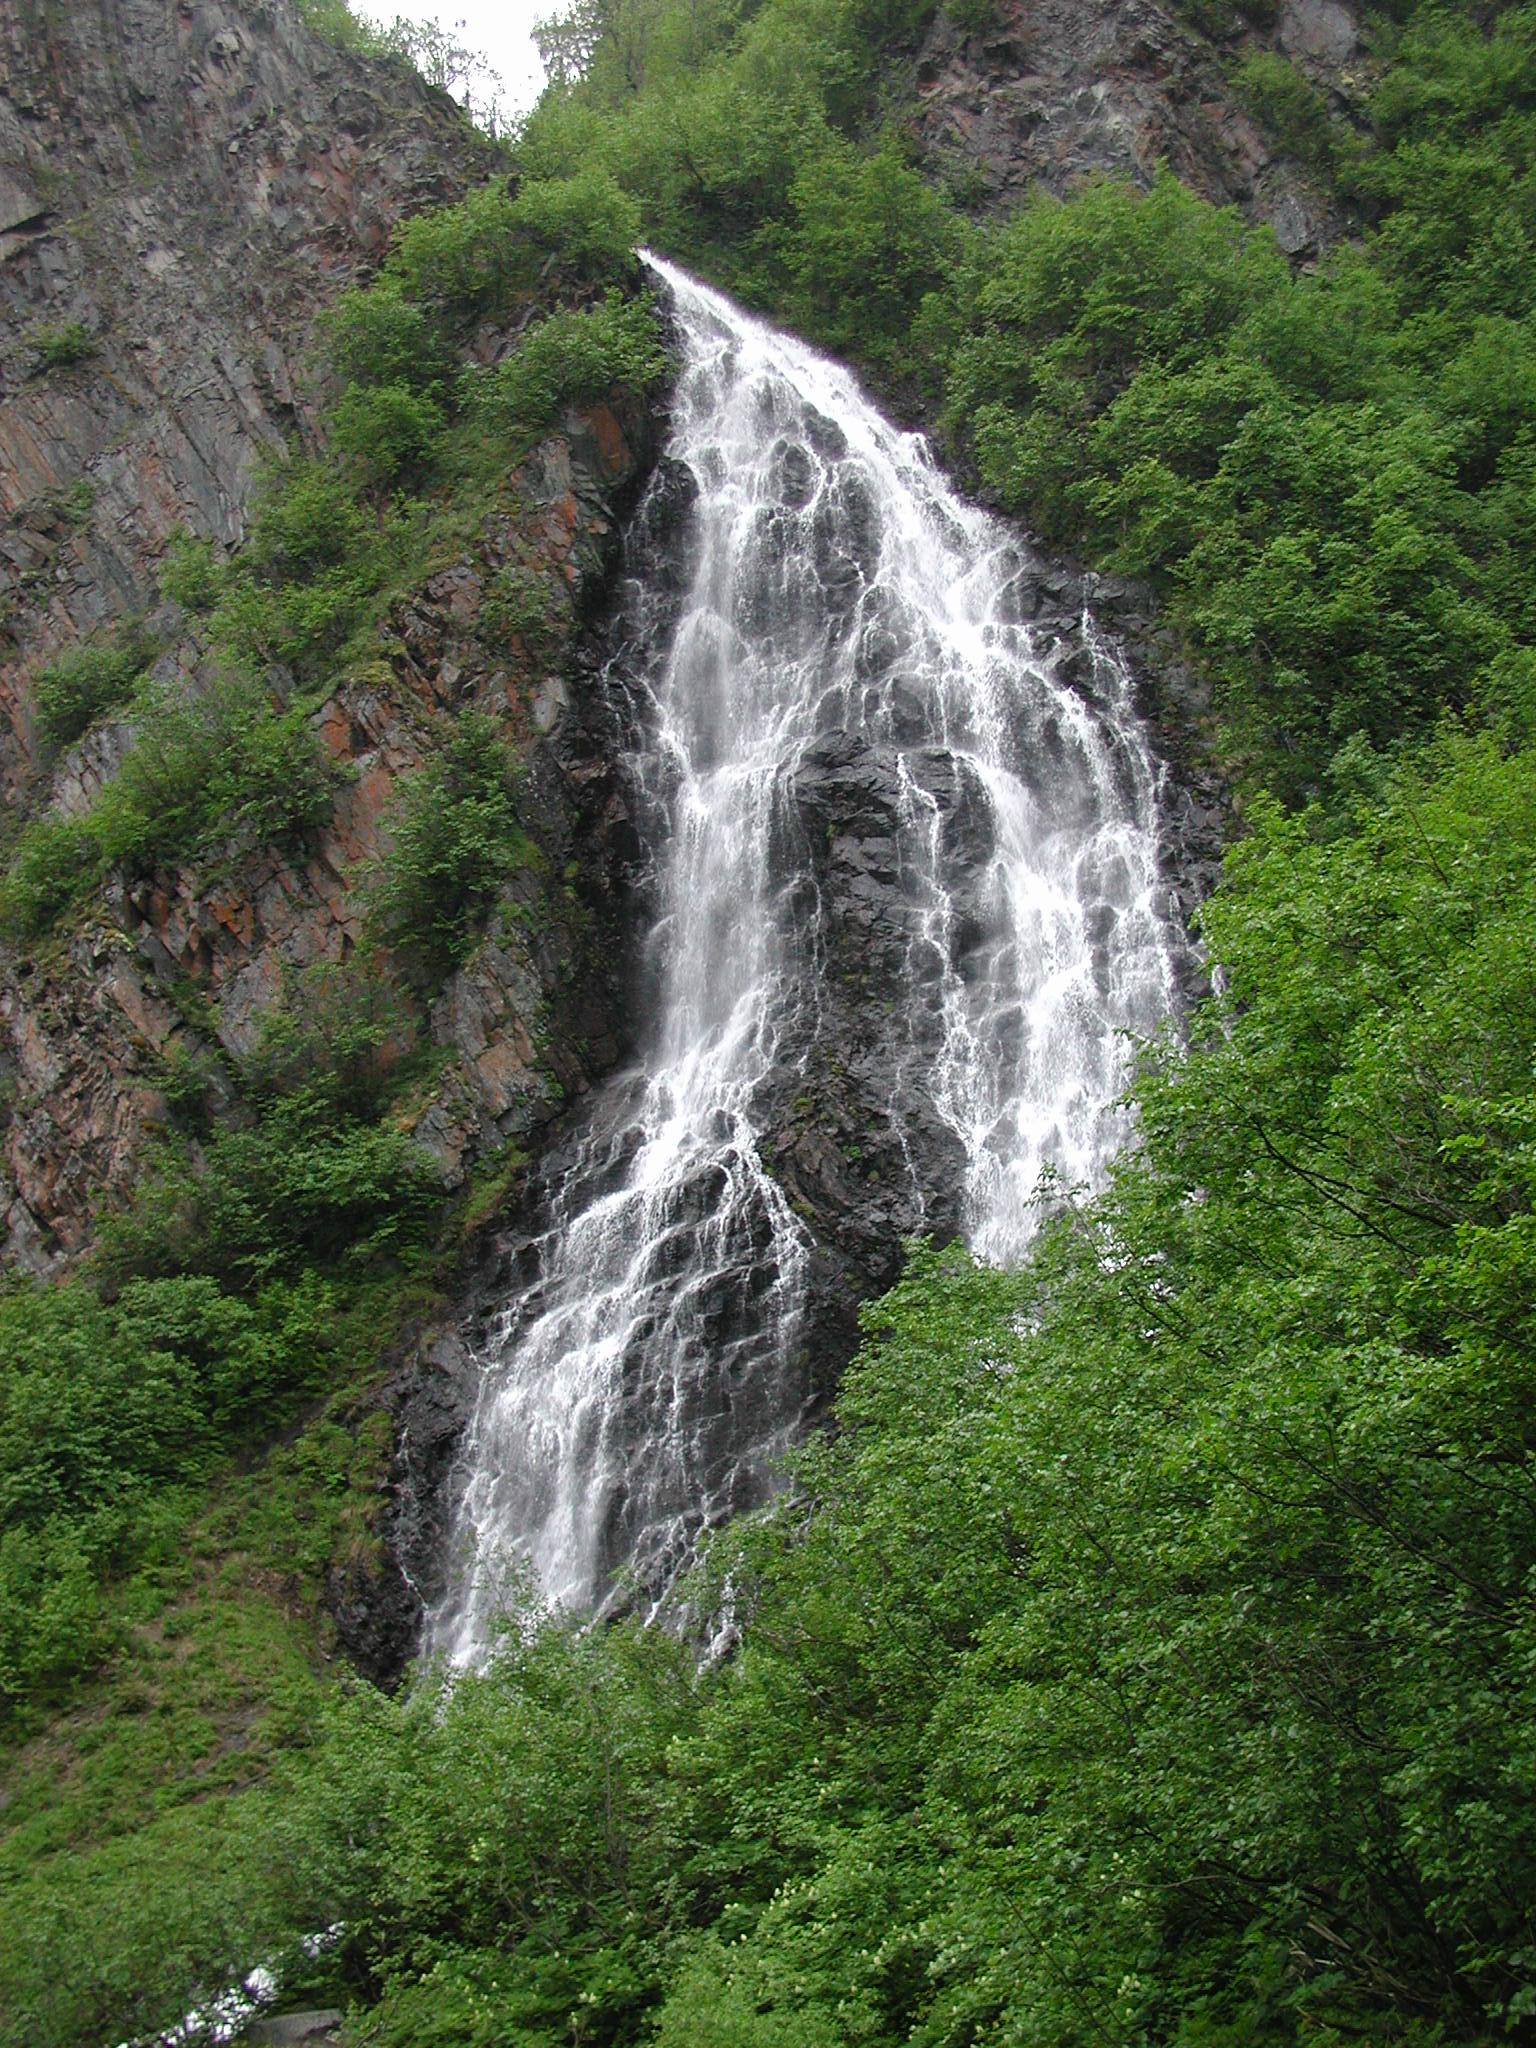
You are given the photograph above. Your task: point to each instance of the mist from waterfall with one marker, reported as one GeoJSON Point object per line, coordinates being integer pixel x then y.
{"type": "Point", "coordinates": [644, 1381]}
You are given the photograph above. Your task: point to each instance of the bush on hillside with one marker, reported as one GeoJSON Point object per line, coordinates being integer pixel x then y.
{"type": "Point", "coordinates": [467, 260]}
{"type": "Point", "coordinates": [570, 358]}
{"type": "Point", "coordinates": [455, 840]}
{"type": "Point", "coordinates": [70, 694]}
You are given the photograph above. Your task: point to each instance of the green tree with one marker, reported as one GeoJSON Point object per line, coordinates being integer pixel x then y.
{"type": "Point", "coordinates": [869, 240]}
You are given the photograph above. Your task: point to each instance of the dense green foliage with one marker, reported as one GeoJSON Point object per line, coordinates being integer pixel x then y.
{"type": "Point", "coordinates": [1149, 375]}
{"type": "Point", "coordinates": [1148, 1655]}
{"type": "Point", "coordinates": [108, 1411]}
{"type": "Point", "coordinates": [70, 694]}
{"type": "Point", "coordinates": [210, 1314]}
{"type": "Point", "coordinates": [571, 356]}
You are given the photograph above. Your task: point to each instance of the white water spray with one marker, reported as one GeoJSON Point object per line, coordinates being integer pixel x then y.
{"type": "Point", "coordinates": [644, 1382]}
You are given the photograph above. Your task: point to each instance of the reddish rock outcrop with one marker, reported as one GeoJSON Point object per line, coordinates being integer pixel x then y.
{"type": "Point", "coordinates": [526, 1023]}
{"type": "Point", "coordinates": [192, 181]}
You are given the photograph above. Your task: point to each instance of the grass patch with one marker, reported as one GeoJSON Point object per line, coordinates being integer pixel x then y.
{"type": "Point", "coordinates": [60, 346]}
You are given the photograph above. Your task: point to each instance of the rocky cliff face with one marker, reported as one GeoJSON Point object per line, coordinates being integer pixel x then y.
{"type": "Point", "coordinates": [176, 963]}
{"type": "Point", "coordinates": [190, 183]}
{"type": "Point", "coordinates": [1050, 92]}
{"type": "Point", "coordinates": [188, 186]}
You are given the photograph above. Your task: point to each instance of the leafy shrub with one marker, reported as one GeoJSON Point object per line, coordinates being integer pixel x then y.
{"type": "Point", "coordinates": [312, 570]}
{"type": "Point", "coordinates": [87, 1410]}
{"type": "Point", "coordinates": [376, 335]}
{"type": "Point", "coordinates": [52, 864]}
{"type": "Point", "coordinates": [535, 1780]}
{"type": "Point", "coordinates": [252, 1355]}
{"type": "Point", "coordinates": [73, 692]}
{"type": "Point", "coordinates": [455, 841]}
{"type": "Point", "coordinates": [75, 505]}
{"type": "Point", "coordinates": [308, 520]}
{"type": "Point", "coordinates": [91, 1420]}
{"type": "Point", "coordinates": [390, 431]}
{"type": "Point", "coordinates": [60, 347]}
{"type": "Point", "coordinates": [191, 574]}
{"type": "Point", "coordinates": [55, 1619]}
{"type": "Point", "coordinates": [567, 359]}
{"type": "Point", "coordinates": [467, 259]}
{"type": "Point", "coordinates": [193, 1082]}
{"type": "Point", "coordinates": [870, 239]}
{"type": "Point", "coordinates": [298, 1188]}
{"type": "Point", "coordinates": [217, 766]}
{"type": "Point", "coordinates": [588, 222]}
{"type": "Point", "coordinates": [304, 625]}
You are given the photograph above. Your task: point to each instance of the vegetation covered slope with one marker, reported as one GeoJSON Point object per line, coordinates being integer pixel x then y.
{"type": "Point", "coordinates": [191, 1448]}
{"type": "Point", "coordinates": [1147, 1658]}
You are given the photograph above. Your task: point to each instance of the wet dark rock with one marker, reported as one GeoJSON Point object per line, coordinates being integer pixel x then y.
{"type": "Point", "coordinates": [377, 1602]}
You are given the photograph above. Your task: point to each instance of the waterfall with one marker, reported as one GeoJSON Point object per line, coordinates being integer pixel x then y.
{"type": "Point", "coordinates": [841, 614]}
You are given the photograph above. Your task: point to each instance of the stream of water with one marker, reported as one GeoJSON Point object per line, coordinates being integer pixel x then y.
{"type": "Point", "coordinates": [644, 1382]}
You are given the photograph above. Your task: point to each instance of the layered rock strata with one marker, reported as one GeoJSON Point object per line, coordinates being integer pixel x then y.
{"type": "Point", "coordinates": [1047, 93]}
{"type": "Point", "coordinates": [187, 186]}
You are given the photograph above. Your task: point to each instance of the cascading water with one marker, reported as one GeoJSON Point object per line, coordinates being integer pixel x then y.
{"type": "Point", "coordinates": [840, 604]}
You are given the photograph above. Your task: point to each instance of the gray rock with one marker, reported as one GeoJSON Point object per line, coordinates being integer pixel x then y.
{"type": "Point", "coordinates": [282, 2030]}
{"type": "Point", "coordinates": [1061, 91]}
{"type": "Point", "coordinates": [1323, 31]}
{"type": "Point", "coordinates": [1293, 228]}
{"type": "Point", "coordinates": [19, 203]}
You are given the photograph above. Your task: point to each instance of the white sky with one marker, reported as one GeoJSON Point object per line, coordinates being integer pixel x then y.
{"type": "Point", "coordinates": [499, 28]}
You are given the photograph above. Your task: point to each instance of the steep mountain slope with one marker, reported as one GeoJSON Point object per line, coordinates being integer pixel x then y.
{"type": "Point", "coordinates": [190, 184]}
{"type": "Point", "coordinates": [186, 188]}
